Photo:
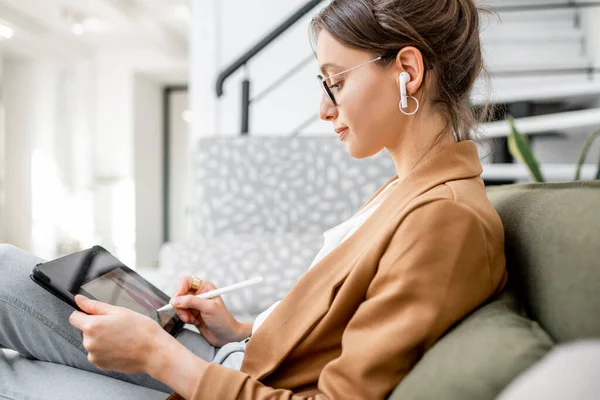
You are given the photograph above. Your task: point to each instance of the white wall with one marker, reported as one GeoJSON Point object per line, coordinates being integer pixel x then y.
{"type": "Point", "coordinates": [80, 121]}
{"type": "Point", "coordinates": [216, 42]}
{"type": "Point", "coordinates": [128, 111]}
{"type": "Point", "coordinates": [590, 19]}
{"type": "Point", "coordinates": [28, 123]}
{"type": "Point", "coordinates": [17, 219]}
{"type": "Point", "coordinates": [148, 169]}
{"type": "Point", "coordinates": [2, 158]}
{"type": "Point", "coordinates": [114, 198]}
{"type": "Point", "coordinates": [204, 64]}
{"type": "Point", "coordinates": [179, 169]}
{"type": "Point", "coordinates": [47, 159]}
{"type": "Point", "coordinates": [73, 110]}
{"type": "Point", "coordinates": [148, 175]}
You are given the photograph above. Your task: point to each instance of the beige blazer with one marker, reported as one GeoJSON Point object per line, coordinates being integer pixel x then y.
{"type": "Point", "coordinates": [357, 322]}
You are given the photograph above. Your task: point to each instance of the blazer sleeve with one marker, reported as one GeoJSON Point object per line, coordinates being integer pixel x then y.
{"type": "Point", "coordinates": [434, 271]}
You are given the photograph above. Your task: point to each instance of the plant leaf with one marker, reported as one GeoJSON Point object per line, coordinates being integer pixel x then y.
{"type": "Point", "coordinates": [598, 173]}
{"type": "Point", "coordinates": [584, 152]}
{"type": "Point", "coordinates": [522, 152]}
{"type": "Point", "coordinates": [513, 149]}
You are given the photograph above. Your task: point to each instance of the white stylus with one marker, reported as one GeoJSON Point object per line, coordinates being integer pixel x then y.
{"type": "Point", "coordinates": [220, 291]}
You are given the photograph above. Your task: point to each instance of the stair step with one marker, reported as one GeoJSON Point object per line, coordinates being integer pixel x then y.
{"type": "Point", "coordinates": [505, 3]}
{"type": "Point", "coordinates": [571, 122]}
{"type": "Point", "coordinates": [503, 83]}
{"type": "Point", "coordinates": [519, 37]}
{"type": "Point", "coordinates": [542, 92]}
{"type": "Point", "coordinates": [536, 64]}
{"type": "Point", "coordinates": [561, 7]}
{"type": "Point", "coordinates": [540, 57]}
{"type": "Point", "coordinates": [562, 17]}
{"type": "Point", "coordinates": [529, 21]}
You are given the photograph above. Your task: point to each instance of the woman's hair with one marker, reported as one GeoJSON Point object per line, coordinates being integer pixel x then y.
{"type": "Point", "coordinates": [445, 31]}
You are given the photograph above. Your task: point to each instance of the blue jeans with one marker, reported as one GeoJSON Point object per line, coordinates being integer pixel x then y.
{"type": "Point", "coordinates": [52, 362]}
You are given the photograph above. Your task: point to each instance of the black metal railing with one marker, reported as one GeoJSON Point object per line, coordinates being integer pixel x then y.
{"type": "Point", "coordinates": [253, 51]}
{"type": "Point", "coordinates": [258, 47]}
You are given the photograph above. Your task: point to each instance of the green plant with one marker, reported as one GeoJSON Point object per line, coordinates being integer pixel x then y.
{"type": "Point", "coordinates": [518, 146]}
{"type": "Point", "coordinates": [584, 152]}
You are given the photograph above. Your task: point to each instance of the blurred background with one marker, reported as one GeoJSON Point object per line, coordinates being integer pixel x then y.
{"type": "Point", "coordinates": [101, 102]}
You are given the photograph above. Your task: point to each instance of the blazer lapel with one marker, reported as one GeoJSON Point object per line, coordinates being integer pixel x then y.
{"type": "Point", "coordinates": [309, 300]}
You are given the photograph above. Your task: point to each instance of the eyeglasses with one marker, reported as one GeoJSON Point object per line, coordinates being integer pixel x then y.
{"type": "Point", "coordinates": [327, 86]}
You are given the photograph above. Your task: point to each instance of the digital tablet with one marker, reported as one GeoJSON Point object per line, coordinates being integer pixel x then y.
{"type": "Point", "coordinates": [98, 275]}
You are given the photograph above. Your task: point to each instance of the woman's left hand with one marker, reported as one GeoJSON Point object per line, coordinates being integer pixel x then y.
{"type": "Point", "coordinates": [117, 339]}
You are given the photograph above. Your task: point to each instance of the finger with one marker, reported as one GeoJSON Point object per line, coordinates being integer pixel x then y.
{"type": "Point", "coordinates": [184, 315]}
{"type": "Point", "coordinates": [193, 321]}
{"type": "Point", "coordinates": [185, 287]}
{"type": "Point", "coordinates": [78, 320]}
{"type": "Point", "coordinates": [191, 301]}
{"type": "Point", "coordinates": [204, 331]}
{"type": "Point", "coordinates": [195, 313]}
{"type": "Point", "coordinates": [185, 283]}
{"type": "Point", "coordinates": [188, 315]}
{"type": "Point", "coordinates": [205, 286]}
{"type": "Point", "coordinates": [92, 307]}
{"type": "Point", "coordinates": [196, 320]}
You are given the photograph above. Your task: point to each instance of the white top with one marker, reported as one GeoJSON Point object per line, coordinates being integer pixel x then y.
{"type": "Point", "coordinates": [333, 238]}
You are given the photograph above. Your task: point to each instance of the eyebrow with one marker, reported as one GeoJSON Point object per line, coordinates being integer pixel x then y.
{"type": "Point", "coordinates": [329, 66]}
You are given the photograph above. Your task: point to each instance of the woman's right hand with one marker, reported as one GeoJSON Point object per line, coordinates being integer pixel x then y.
{"type": "Point", "coordinates": [210, 316]}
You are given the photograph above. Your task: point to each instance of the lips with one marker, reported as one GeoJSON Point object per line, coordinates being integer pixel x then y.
{"type": "Point", "coordinates": [342, 131]}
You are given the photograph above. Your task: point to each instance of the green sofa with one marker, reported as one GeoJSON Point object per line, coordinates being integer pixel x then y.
{"type": "Point", "coordinates": [553, 296]}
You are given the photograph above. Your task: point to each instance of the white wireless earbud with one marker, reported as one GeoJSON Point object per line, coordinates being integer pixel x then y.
{"type": "Point", "coordinates": [404, 79]}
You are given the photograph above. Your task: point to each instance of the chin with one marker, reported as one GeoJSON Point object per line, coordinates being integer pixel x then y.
{"type": "Point", "coordinates": [360, 152]}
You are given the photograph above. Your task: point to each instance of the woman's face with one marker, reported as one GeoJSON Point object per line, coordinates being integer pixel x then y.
{"type": "Point", "coordinates": [367, 98]}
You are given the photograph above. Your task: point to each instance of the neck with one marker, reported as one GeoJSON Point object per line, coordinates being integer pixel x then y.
{"type": "Point", "coordinates": [419, 138]}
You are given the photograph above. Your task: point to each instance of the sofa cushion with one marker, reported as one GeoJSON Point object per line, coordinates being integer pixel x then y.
{"type": "Point", "coordinates": [553, 253]}
{"type": "Point", "coordinates": [479, 357]}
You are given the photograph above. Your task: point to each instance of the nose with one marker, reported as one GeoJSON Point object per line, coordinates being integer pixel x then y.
{"type": "Point", "coordinates": [327, 111]}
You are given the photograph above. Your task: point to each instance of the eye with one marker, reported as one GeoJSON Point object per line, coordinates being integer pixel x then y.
{"type": "Point", "coordinates": [337, 86]}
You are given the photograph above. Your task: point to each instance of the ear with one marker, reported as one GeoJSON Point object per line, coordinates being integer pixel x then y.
{"type": "Point", "coordinates": [410, 60]}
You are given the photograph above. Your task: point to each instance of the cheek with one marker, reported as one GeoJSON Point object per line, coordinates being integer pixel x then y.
{"type": "Point", "coordinates": [371, 111]}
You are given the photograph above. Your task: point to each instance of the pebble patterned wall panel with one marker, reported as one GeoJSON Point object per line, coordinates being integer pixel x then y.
{"type": "Point", "coordinates": [273, 184]}
{"type": "Point", "coordinates": [261, 207]}
{"type": "Point", "coordinates": [231, 258]}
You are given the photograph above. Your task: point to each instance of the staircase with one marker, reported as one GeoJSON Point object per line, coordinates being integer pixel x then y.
{"type": "Point", "coordinates": [536, 52]}
{"type": "Point", "coordinates": [543, 75]}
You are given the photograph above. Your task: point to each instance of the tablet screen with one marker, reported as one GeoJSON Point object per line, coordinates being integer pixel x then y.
{"type": "Point", "coordinates": [119, 288]}
{"type": "Point", "coordinates": [108, 280]}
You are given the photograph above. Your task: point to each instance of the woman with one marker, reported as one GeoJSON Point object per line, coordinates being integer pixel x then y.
{"type": "Point", "coordinates": [422, 253]}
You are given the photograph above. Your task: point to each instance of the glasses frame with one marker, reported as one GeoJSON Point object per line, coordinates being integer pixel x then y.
{"type": "Point", "coordinates": [327, 88]}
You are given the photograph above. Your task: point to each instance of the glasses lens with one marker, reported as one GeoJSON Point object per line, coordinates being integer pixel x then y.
{"type": "Point", "coordinates": [326, 89]}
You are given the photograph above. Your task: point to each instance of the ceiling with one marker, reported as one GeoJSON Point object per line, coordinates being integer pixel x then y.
{"type": "Point", "coordinates": [72, 29]}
